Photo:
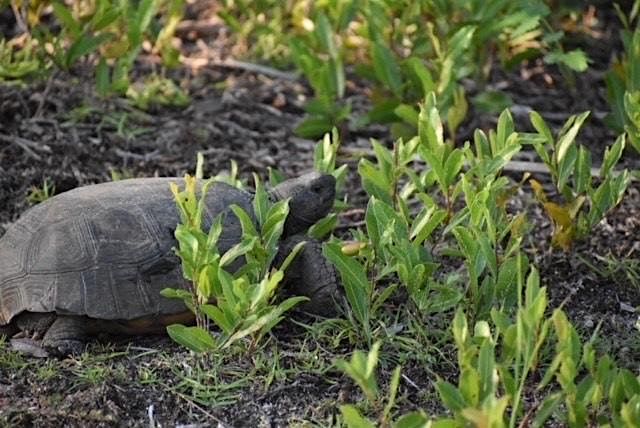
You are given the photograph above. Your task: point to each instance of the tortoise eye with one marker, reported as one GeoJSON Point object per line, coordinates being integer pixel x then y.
{"type": "Point", "coordinates": [316, 187]}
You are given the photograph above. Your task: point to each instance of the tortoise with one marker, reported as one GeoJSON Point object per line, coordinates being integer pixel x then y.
{"type": "Point", "coordinates": [95, 258]}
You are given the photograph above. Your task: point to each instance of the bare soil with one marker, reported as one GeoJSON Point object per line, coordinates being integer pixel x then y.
{"type": "Point", "coordinates": [61, 131]}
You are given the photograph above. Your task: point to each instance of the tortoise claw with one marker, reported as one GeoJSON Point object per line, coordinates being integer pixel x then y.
{"type": "Point", "coordinates": [29, 347]}
{"type": "Point", "coordinates": [64, 347]}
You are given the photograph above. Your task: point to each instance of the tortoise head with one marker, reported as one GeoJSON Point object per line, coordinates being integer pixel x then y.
{"type": "Point", "coordinates": [311, 198]}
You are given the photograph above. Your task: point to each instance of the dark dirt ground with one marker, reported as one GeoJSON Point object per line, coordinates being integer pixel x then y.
{"type": "Point", "coordinates": [60, 131]}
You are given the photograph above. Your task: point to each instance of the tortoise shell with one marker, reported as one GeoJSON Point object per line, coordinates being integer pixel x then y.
{"type": "Point", "coordinates": [104, 251]}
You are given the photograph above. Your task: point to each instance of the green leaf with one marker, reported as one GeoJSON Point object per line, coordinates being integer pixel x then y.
{"type": "Point", "coordinates": [460, 329]}
{"type": "Point", "coordinates": [393, 390]}
{"type": "Point", "coordinates": [430, 127]}
{"type": "Point", "coordinates": [83, 46]}
{"type": "Point", "coordinates": [612, 156]}
{"type": "Point", "coordinates": [407, 113]}
{"type": "Point", "coordinates": [353, 418]}
{"type": "Point", "coordinates": [379, 218]}
{"type": "Point", "coordinates": [492, 102]}
{"type": "Point", "coordinates": [566, 167]}
{"type": "Point", "coordinates": [576, 59]}
{"type": "Point", "coordinates": [216, 314]}
{"type": "Point", "coordinates": [265, 322]}
{"type": "Point", "coordinates": [416, 420]}
{"type": "Point", "coordinates": [260, 201]}
{"type": "Point", "coordinates": [442, 298]}
{"type": "Point", "coordinates": [386, 68]}
{"type": "Point", "coordinates": [139, 20]}
{"type": "Point", "coordinates": [173, 293]}
{"type": "Point", "coordinates": [375, 181]}
{"type": "Point", "coordinates": [423, 74]}
{"type": "Point", "coordinates": [100, 21]}
{"type": "Point", "coordinates": [102, 77]}
{"type": "Point", "coordinates": [325, 35]}
{"type": "Point", "coordinates": [354, 280]}
{"type": "Point", "coordinates": [292, 255]}
{"type": "Point", "coordinates": [540, 125]}
{"type": "Point", "coordinates": [450, 396]}
{"type": "Point", "coordinates": [567, 139]}
{"type": "Point", "coordinates": [238, 250]}
{"type": "Point", "coordinates": [469, 386]}
{"type": "Point", "coordinates": [452, 167]}
{"type": "Point", "coordinates": [314, 126]}
{"type": "Point", "coordinates": [196, 339]}
{"type": "Point", "coordinates": [583, 171]}
{"type": "Point", "coordinates": [425, 223]}
{"type": "Point", "coordinates": [324, 226]}
{"type": "Point", "coordinates": [248, 226]}
{"type": "Point", "coordinates": [486, 367]}
{"type": "Point", "coordinates": [274, 224]}
{"type": "Point", "coordinates": [63, 14]}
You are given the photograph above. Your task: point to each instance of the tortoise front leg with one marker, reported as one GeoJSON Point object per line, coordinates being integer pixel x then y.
{"type": "Point", "coordinates": [8, 330]}
{"type": "Point", "coordinates": [311, 275]}
{"type": "Point", "coordinates": [67, 335]}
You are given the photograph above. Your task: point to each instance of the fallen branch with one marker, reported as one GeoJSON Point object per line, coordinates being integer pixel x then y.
{"type": "Point", "coordinates": [512, 166]}
{"type": "Point", "coordinates": [29, 147]}
{"type": "Point", "coordinates": [240, 65]}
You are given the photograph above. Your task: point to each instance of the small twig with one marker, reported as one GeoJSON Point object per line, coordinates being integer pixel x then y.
{"type": "Point", "coordinates": [279, 389]}
{"type": "Point", "coordinates": [201, 28]}
{"type": "Point", "coordinates": [19, 16]}
{"type": "Point", "coordinates": [511, 166]}
{"type": "Point", "coordinates": [353, 211]}
{"type": "Point", "coordinates": [27, 145]}
{"type": "Point", "coordinates": [194, 404]}
{"type": "Point", "coordinates": [223, 151]}
{"type": "Point", "coordinates": [44, 96]}
{"type": "Point", "coordinates": [350, 225]}
{"type": "Point", "coordinates": [130, 155]}
{"type": "Point", "coordinates": [524, 111]}
{"type": "Point", "coordinates": [241, 65]}
{"type": "Point", "coordinates": [410, 382]}
{"type": "Point", "coordinates": [256, 68]}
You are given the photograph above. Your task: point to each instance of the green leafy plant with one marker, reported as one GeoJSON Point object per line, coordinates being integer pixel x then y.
{"type": "Point", "coordinates": [402, 215]}
{"type": "Point", "coordinates": [240, 303]}
{"type": "Point", "coordinates": [261, 28]}
{"type": "Point", "coordinates": [498, 361]}
{"type": "Point", "coordinates": [585, 203]}
{"type": "Point", "coordinates": [406, 49]}
{"type": "Point", "coordinates": [324, 161]}
{"type": "Point", "coordinates": [488, 237]}
{"type": "Point", "coordinates": [318, 56]}
{"type": "Point", "coordinates": [623, 79]}
{"type": "Point", "coordinates": [495, 368]}
{"type": "Point", "coordinates": [362, 369]}
{"type": "Point", "coordinates": [157, 90]}
{"type": "Point", "coordinates": [18, 62]}
{"type": "Point", "coordinates": [41, 194]}
{"type": "Point", "coordinates": [109, 34]}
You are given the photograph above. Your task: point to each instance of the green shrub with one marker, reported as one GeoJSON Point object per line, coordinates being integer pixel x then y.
{"type": "Point", "coordinates": [405, 49]}
{"type": "Point", "coordinates": [498, 362]}
{"type": "Point", "coordinates": [108, 35]}
{"type": "Point", "coordinates": [240, 304]}
{"type": "Point", "coordinates": [585, 202]}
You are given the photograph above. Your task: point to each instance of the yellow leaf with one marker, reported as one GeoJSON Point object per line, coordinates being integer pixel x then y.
{"type": "Point", "coordinates": [560, 215]}
{"type": "Point", "coordinates": [575, 206]}
{"type": "Point", "coordinates": [518, 225]}
{"type": "Point", "coordinates": [563, 238]}
{"type": "Point", "coordinates": [477, 417]}
{"type": "Point", "coordinates": [353, 248]}
{"type": "Point", "coordinates": [115, 49]}
{"type": "Point", "coordinates": [538, 190]}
